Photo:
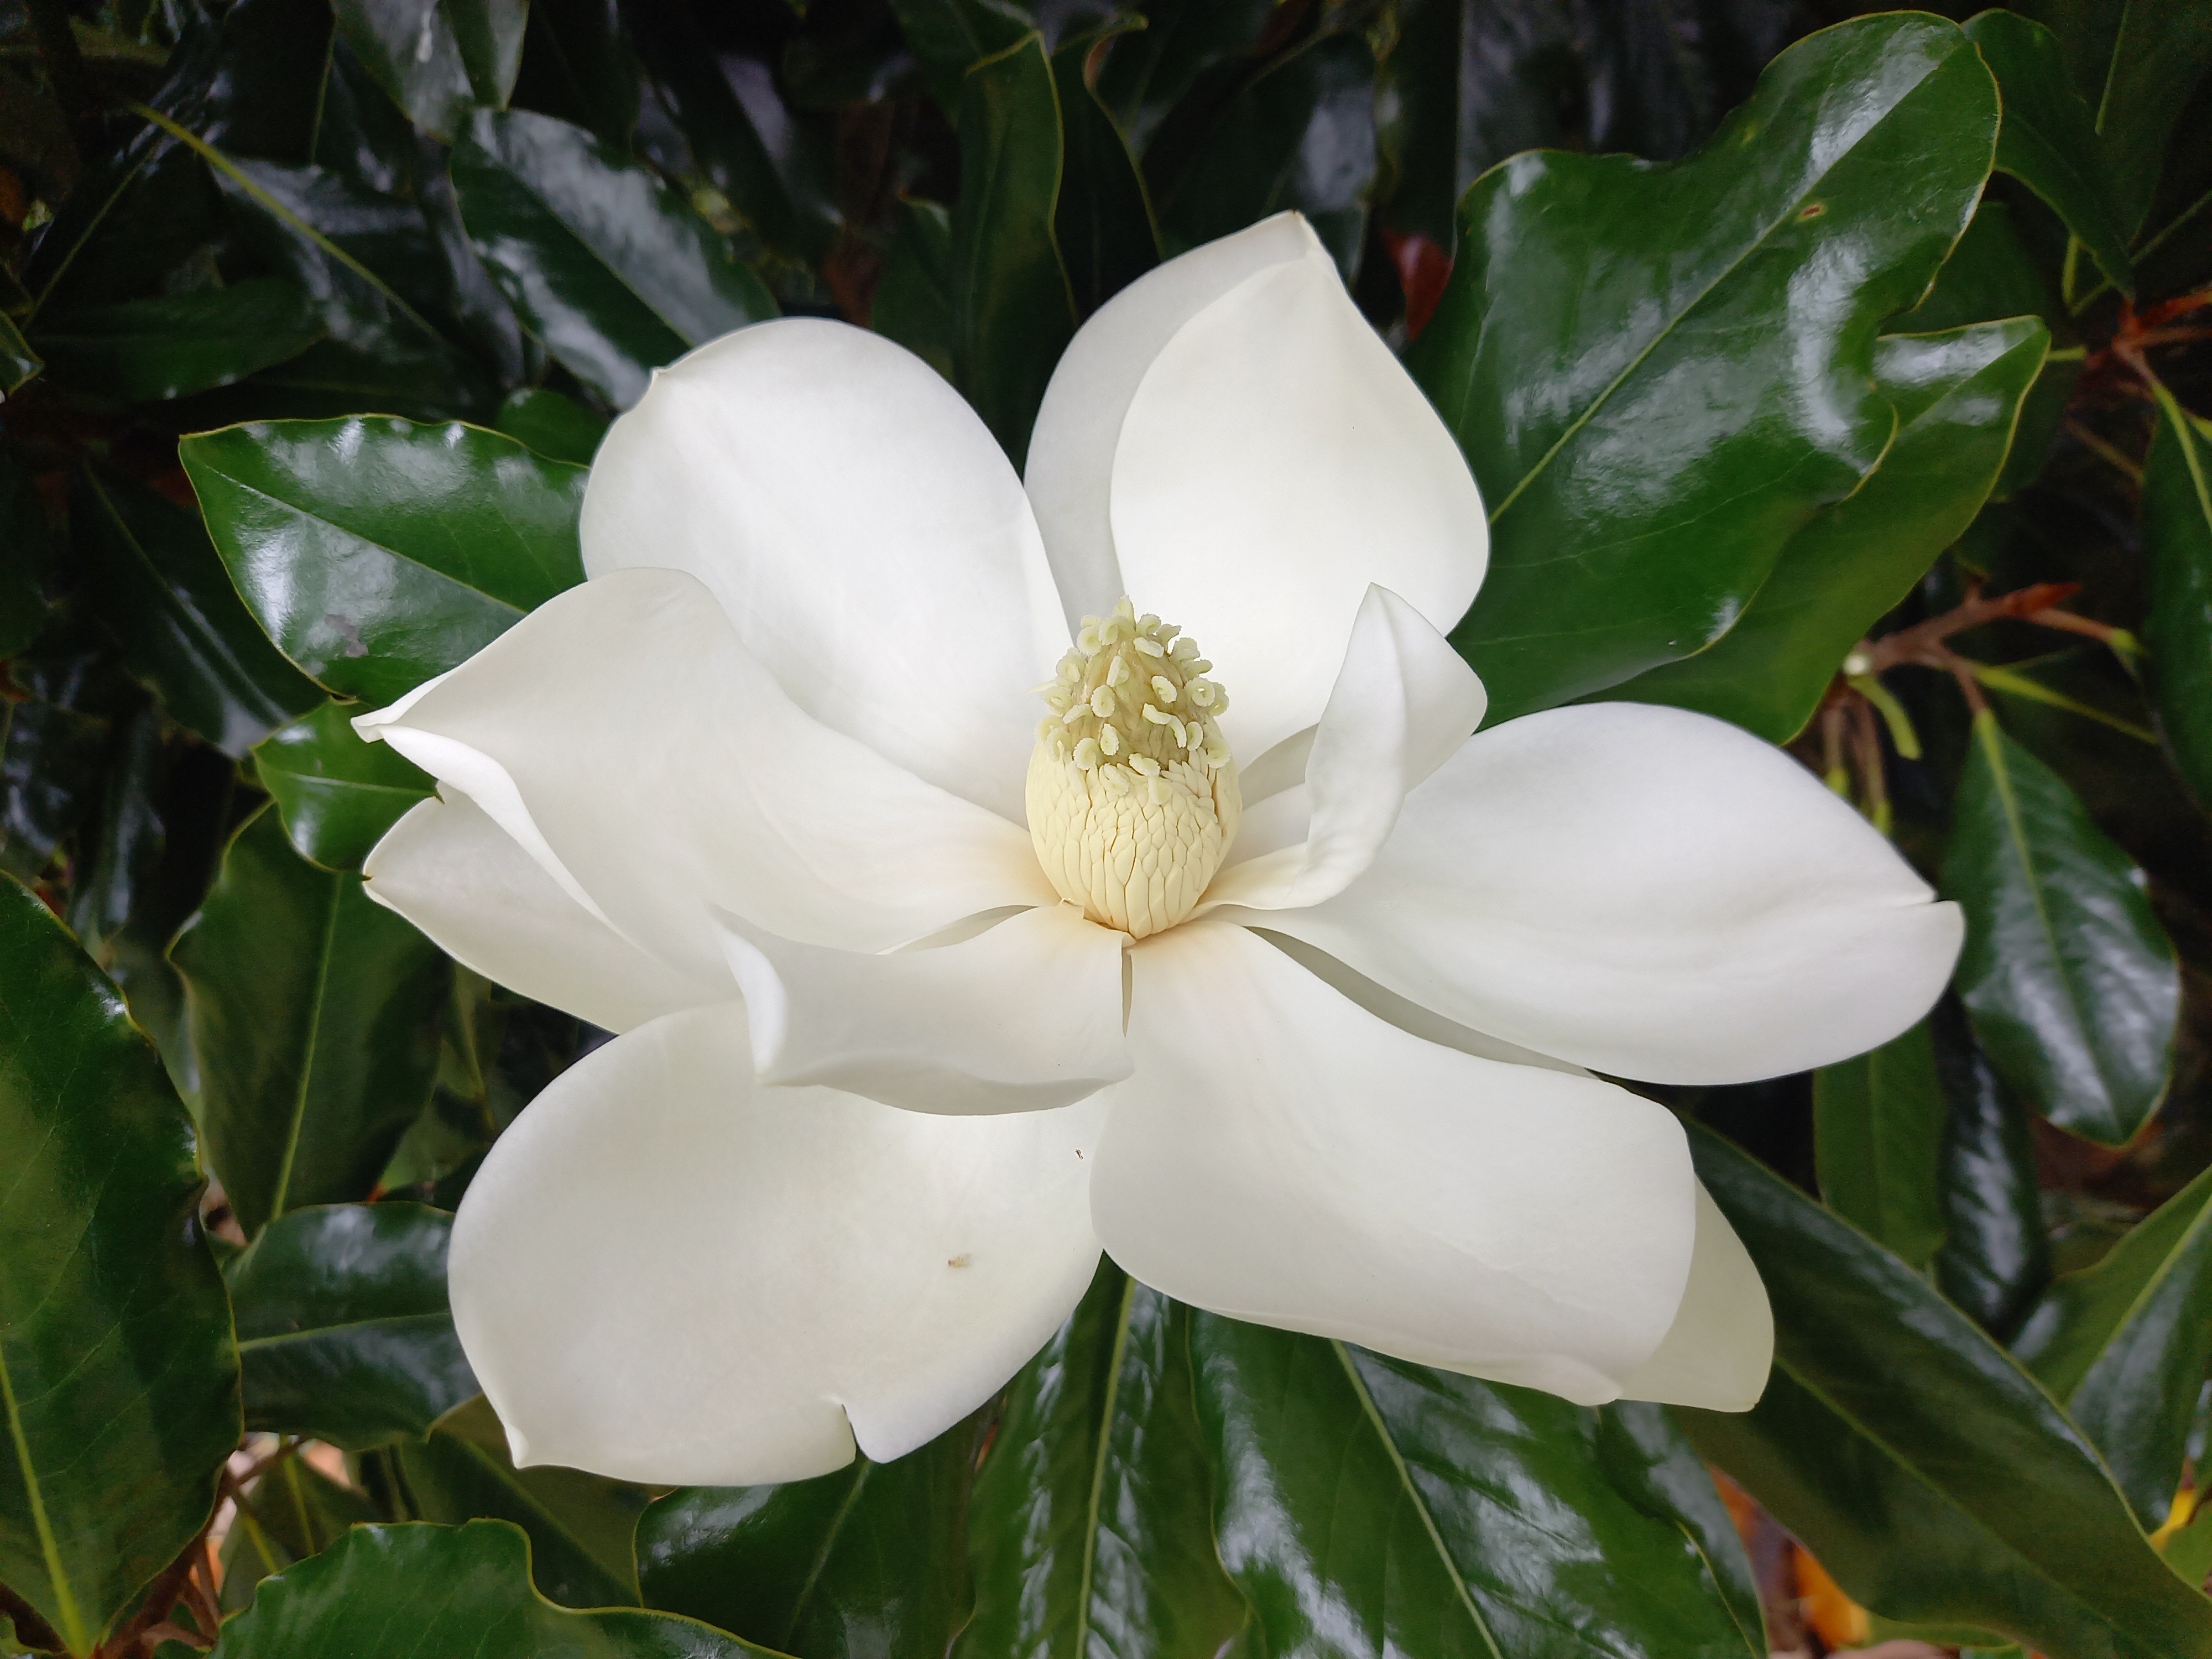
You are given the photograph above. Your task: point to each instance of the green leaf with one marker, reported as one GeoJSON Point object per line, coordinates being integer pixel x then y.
{"type": "Point", "coordinates": [914, 301]}
{"type": "Point", "coordinates": [950, 37]}
{"type": "Point", "coordinates": [1300, 134]}
{"type": "Point", "coordinates": [2176, 540]}
{"type": "Point", "coordinates": [343, 1331]}
{"type": "Point", "coordinates": [142, 350]}
{"type": "Point", "coordinates": [1091, 1524]}
{"type": "Point", "coordinates": [315, 1016]}
{"type": "Point", "coordinates": [864, 1564]}
{"type": "Point", "coordinates": [2049, 137]}
{"type": "Point", "coordinates": [2135, 62]}
{"type": "Point", "coordinates": [1014, 309]}
{"type": "Point", "coordinates": [438, 58]}
{"type": "Point", "coordinates": [337, 793]}
{"type": "Point", "coordinates": [558, 428]}
{"type": "Point", "coordinates": [1878, 1126]}
{"type": "Point", "coordinates": [1931, 1474]}
{"type": "Point", "coordinates": [1595, 299]}
{"type": "Point", "coordinates": [2126, 1344]}
{"type": "Point", "coordinates": [118, 1378]}
{"type": "Point", "coordinates": [1366, 1505]}
{"type": "Point", "coordinates": [1996, 1257]}
{"type": "Point", "coordinates": [377, 553]}
{"type": "Point", "coordinates": [166, 600]}
{"type": "Point", "coordinates": [19, 363]}
{"type": "Point", "coordinates": [406, 1592]}
{"type": "Point", "coordinates": [290, 1513]}
{"type": "Point", "coordinates": [1102, 223]}
{"type": "Point", "coordinates": [1989, 276]}
{"type": "Point", "coordinates": [2068, 977]}
{"type": "Point", "coordinates": [578, 62]}
{"type": "Point", "coordinates": [1958, 396]}
{"type": "Point", "coordinates": [603, 261]}
{"type": "Point", "coordinates": [1182, 48]}
{"type": "Point", "coordinates": [579, 1525]}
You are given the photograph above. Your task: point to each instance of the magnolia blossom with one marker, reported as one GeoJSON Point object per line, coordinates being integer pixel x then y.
{"type": "Point", "coordinates": [960, 915]}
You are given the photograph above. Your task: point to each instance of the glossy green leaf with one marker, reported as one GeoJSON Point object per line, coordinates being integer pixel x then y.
{"type": "Point", "coordinates": [603, 261]}
{"type": "Point", "coordinates": [1090, 1526]}
{"type": "Point", "coordinates": [2176, 540]}
{"type": "Point", "coordinates": [337, 793]}
{"type": "Point", "coordinates": [314, 1014]}
{"type": "Point", "coordinates": [2068, 977]}
{"type": "Point", "coordinates": [1014, 309]}
{"type": "Point", "coordinates": [170, 606]}
{"type": "Point", "coordinates": [1996, 1257]}
{"type": "Point", "coordinates": [1182, 49]}
{"type": "Point", "coordinates": [117, 1378]}
{"type": "Point", "coordinates": [142, 351]}
{"type": "Point", "coordinates": [1301, 134]}
{"type": "Point", "coordinates": [1878, 1124]}
{"type": "Point", "coordinates": [864, 1564]}
{"type": "Point", "coordinates": [1958, 396]}
{"type": "Point", "coordinates": [914, 302]}
{"type": "Point", "coordinates": [950, 37]}
{"type": "Point", "coordinates": [2135, 62]}
{"type": "Point", "coordinates": [291, 1513]}
{"type": "Point", "coordinates": [1931, 1474]}
{"type": "Point", "coordinates": [1103, 222]}
{"type": "Point", "coordinates": [578, 63]}
{"type": "Point", "coordinates": [26, 550]}
{"type": "Point", "coordinates": [2049, 138]}
{"type": "Point", "coordinates": [579, 1525]}
{"type": "Point", "coordinates": [19, 363]}
{"type": "Point", "coordinates": [412, 1592]}
{"type": "Point", "coordinates": [554, 426]}
{"type": "Point", "coordinates": [2126, 1344]}
{"type": "Point", "coordinates": [1989, 276]}
{"type": "Point", "coordinates": [1594, 299]}
{"type": "Point", "coordinates": [377, 553]}
{"type": "Point", "coordinates": [437, 59]}
{"type": "Point", "coordinates": [343, 1331]}
{"type": "Point", "coordinates": [1366, 1505]}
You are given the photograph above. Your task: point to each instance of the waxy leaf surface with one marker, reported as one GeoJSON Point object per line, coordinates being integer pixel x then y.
{"type": "Point", "coordinates": [1878, 1124]}
{"type": "Point", "coordinates": [141, 350]}
{"type": "Point", "coordinates": [337, 792]}
{"type": "Point", "coordinates": [343, 1330]}
{"type": "Point", "coordinates": [1931, 1474]}
{"type": "Point", "coordinates": [376, 552]}
{"type": "Point", "coordinates": [2068, 977]}
{"type": "Point", "coordinates": [1658, 374]}
{"type": "Point", "coordinates": [315, 1015]}
{"type": "Point", "coordinates": [117, 1378]}
{"type": "Point", "coordinates": [438, 58]}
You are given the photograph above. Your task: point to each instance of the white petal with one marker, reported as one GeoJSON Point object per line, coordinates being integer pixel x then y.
{"type": "Point", "coordinates": [1023, 1017]}
{"type": "Point", "coordinates": [454, 873]}
{"type": "Point", "coordinates": [1647, 892]}
{"type": "Point", "coordinates": [630, 743]}
{"type": "Point", "coordinates": [1274, 461]}
{"type": "Point", "coordinates": [668, 1273]}
{"type": "Point", "coordinates": [1071, 458]}
{"type": "Point", "coordinates": [862, 528]}
{"type": "Point", "coordinates": [1721, 1345]}
{"type": "Point", "coordinates": [1284, 1157]}
{"type": "Point", "coordinates": [1402, 704]}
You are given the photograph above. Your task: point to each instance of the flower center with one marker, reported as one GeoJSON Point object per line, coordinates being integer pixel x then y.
{"type": "Point", "coordinates": [1132, 793]}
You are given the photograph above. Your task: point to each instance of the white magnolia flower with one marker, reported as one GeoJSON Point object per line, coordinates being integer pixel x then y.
{"type": "Point", "coordinates": [1251, 966]}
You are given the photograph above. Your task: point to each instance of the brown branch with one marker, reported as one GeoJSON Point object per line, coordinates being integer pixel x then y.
{"type": "Point", "coordinates": [31, 1629]}
{"type": "Point", "coordinates": [1922, 642]}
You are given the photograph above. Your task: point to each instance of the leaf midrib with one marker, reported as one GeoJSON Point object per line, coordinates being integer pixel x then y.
{"type": "Point", "coordinates": [316, 1332]}
{"type": "Point", "coordinates": [72, 1618]}
{"type": "Point", "coordinates": [1605, 394]}
{"type": "Point", "coordinates": [1414, 1495]}
{"type": "Point", "coordinates": [1106, 1410]}
{"type": "Point", "coordinates": [283, 1188]}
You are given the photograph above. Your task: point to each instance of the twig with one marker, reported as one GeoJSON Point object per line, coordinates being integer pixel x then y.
{"type": "Point", "coordinates": [1922, 642]}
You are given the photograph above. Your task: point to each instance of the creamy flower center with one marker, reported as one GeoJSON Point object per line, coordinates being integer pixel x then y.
{"type": "Point", "coordinates": [1132, 793]}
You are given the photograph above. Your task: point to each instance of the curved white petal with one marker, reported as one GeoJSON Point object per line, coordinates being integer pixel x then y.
{"type": "Point", "coordinates": [1718, 1351]}
{"type": "Point", "coordinates": [1647, 892]}
{"type": "Point", "coordinates": [1023, 1017]}
{"type": "Point", "coordinates": [454, 873]}
{"type": "Point", "coordinates": [863, 530]}
{"type": "Point", "coordinates": [628, 741]}
{"type": "Point", "coordinates": [1070, 457]}
{"type": "Point", "coordinates": [1284, 1157]}
{"type": "Point", "coordinates": [667, 1272]}
{"type": "Point", "coordinates": [1402, 704]}
{"type": "Point", "coordinates": [1274, 461]}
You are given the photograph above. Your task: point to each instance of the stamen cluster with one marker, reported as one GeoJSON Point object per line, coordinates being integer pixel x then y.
{"type": "Point", "coordinates": [1130, 699]}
